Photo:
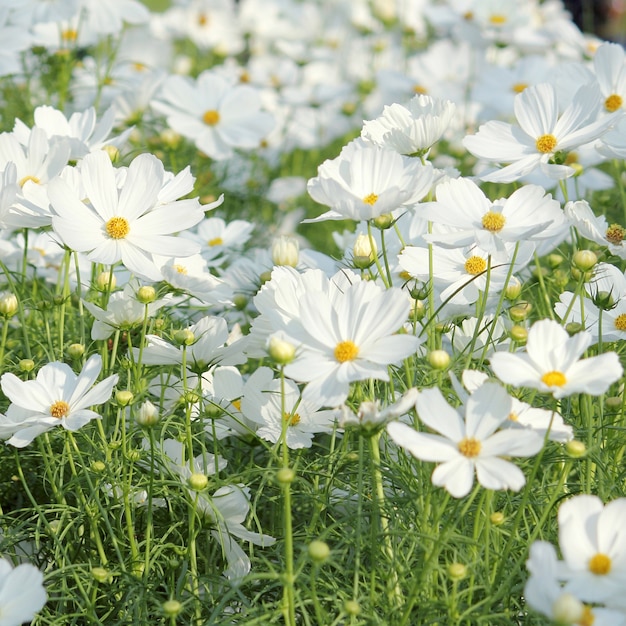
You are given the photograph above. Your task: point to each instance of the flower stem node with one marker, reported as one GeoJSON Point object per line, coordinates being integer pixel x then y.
{"type": "Point", "coordinates": [172, 608]}
{"type": "Point", "coordinates": [518, 333]}
{"type": "Point", "coordinates": [575, 449]}
{"type": "Point", "coordinates": [285, 476]}
{"type": "Point", "coordinates": [101, 575]}
{"type": "Point", "coordinates": [124, 397]}
{"type": "Point", "coordinates": [75, 350]}
{"type": "Point", "coordinates": [319, 551]}
{"type": "Point", "coordinates": [352, 607]}
{"type": "Point", "coordinates": [198, 481]}
{"type": "Point", "coordinates": [8, 305]}
{"type": "Point", "coordinates": [184, 337]}
{"type": "Point", "coordinates": [439, 359]}
{"type": "Point", "coordinates": [27, 365]}
{"type": "Point", "coordinates": [146, 294]}
{"type": "Point", "coordinates": [584, 260]}
{"type": "Point", "coordinates": [281, 350]}
{"type": "Point", "coordinates": [457, 571]}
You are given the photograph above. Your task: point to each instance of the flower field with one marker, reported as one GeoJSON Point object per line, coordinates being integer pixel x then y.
{"type": "Point", "coordinates": [312, 313]}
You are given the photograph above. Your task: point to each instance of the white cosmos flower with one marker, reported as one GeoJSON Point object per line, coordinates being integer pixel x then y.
{"type": "Point", "coordinates": [22, 593]}
{"type": "Point", "coordinates": [540, 133]}
{"type": "Point", "coordinates": [552, 363]}
{"type": "Point", "coordinates": [366, 181]}
{"type": "Point", "coordinates": [345, 336]}
{"type": "Point", "coordinates": [468, 443]}
{"type": "Point", "coordinates": [412, 128]}
{"type": "Point", "coordinates": [57, 397]}
{"type": "Point", "coordinates": [127, 223]}
{"type": "Point", "coordinates": [609, 63]}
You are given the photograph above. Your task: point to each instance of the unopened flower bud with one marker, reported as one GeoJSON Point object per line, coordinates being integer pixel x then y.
{"type": "Point", "coordinates": [384, 221]}
{"type": "Point", "coordinates": [520, 311]}
{"type": "Point", "coordinates": [513, 289]}
{"type": "Point", "coordinates": [518, 333]}
{"type": "Point", "coordinates": [576, 449]}
{"type": "Point", "coordinates": [614, 402]}
{"type": "Point", "coordinates": [184, 337]}
{"type": "Point", "coordinates": [285, 475]}
{"type": "Point", "coordinates": [147, 414]}
{"type": "Point", "coordinates": [351, 607]}
{"type": "Point", "coordinates": [285, 251]}
{"type": "Point", "coordinates": [567, 609]}
{"type": "Point", "coordinates": [172, 608]}
{"type": "Point", "coordinates": [113, 152]}
{"type": "Point", "coordinates": [123, 397]}
{"type": "Point", "coordinates": [584, 260]}
{"type": "Point", "coordinates": [497, 518]}
{"type": "Point", "coordinates": [146, 294]}
{"type": "Point", "coordinates": [75, 350]}
{"type": "Point", "coordinates": [439, 359]}
{"type": "Point", "coordinates": [26, 365]}
{"type": "Point", "coordinates": [8, 304]}
{"type": "Point", "coordinates": [105, 279]}
{"type": "Point", "coordinates": [604, 300]}
{"type": "Point", "coordinates": [198, 481]}
{"type": "Point", "coordinates": [265, 276]}
{"type": "Point", "coordinates": [98, 467]}
{"type": "Point", "coordinates": [573, 327]}
{"type": "Point", "coordinates": [554, 260]}
{"type": "Point", "coordinates": [364, 252]}
{"type": "Point", "coordinates": [101, 575]}
{"type": "Point", "coordinates": [418, 310]}
{"type": "Point", "coordinates": [319, 551]}
{"type": "Point", "coordinates": [457, 571]}
{"type": "Point", "coordinates": [170, 138]}
{"type": "Point", "coordinates": [281, 350]}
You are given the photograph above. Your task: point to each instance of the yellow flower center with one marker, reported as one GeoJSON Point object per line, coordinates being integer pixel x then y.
{"type": "Point", "coordinates": [59, 409]}
{"type": "Point", "coordinates": [615, 234]}
{"type": "Point", "coordinates": [24, 180]}
{"type": "Point", "coordinates": [620, 322]}
{"type": "Point", "coordinates": [420, 89]}
{"type": "Point", "coordinates": [587, 618]}
{"type": "Point", "coordinates": [613, 102]}
{"type": "Point", "coordinates": [291, 418]}
{"type": "Point", "coordinates": [346, 351]}
{"type": "Point", "coordinates": [513, 417]}
{"type": "Point", "coordinates": [236, 404]}
{"type": "Point", "coordinates": [554, 379]}
{"type": "Point", "coordinates": [493, 222]}
{"type": "Point", "coordinates": [117, 227]}
{"type": "Point", "coordinates": [181, 269]}
{"type": "Point", "coordinates": [497, 19]}
{"type": "Point", "coordinates": [244, 77]}
{"type": "Point", "coordinates": [475, 265]}
{"type": "Point", "coordinates": [469, 447]}
{"type": "Point", "coordinates": [216, 241]}
{"type": "Point", "coordinates": [140, 67]}
{"type": "Point", "coordinates": [211, 117]}
{"type": "Point", "coordinates": [519, 87]}
{"type": "Point", "coordinates": [69, 34]}
{"type": "Point", "coordinates": [571, 159]}
{"type": "Point", "coordinates": [202, 19]}
{"type": "Point", "coordinates": [371, 199]}
{"type": "Point", "coordinates": [546, 143]}
{"type": "Point", "coordinates": [600, 564]}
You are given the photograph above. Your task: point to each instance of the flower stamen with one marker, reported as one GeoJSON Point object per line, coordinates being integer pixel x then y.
{"type": "Point", "coordinates": [493, 222]}
{"type": "Point", "coordinates": [554, 379]}
{"type": "Point", "coordinates": [211, 117]}
{"type": "Point", "coordinates": [475, 265]}
{"type": "Point", "coordinates": [59, 409]}
{"type": "Point", "coordinates": [600, 564]}
{"type": "Point", "coordinates": [370, 199]}
{"type": "Point", "coordinates": [469, 447]}
{"type": "Point", "coordinates": [546, 143]}
{"type": "Point", "coordinates": [346, 351]}
{"type": "Point", "coordinates": [117, 227]}
{"type": "Point", "coordinates": [613, 102]}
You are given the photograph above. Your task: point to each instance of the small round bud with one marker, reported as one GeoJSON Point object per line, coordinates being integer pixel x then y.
{"type": "Point", "coordinates": [319, 551]}
{"type": "Point", "coordinates": [364, 252]}
{"type": "Point", "coordinates": [147, 414]}
{"type": "Point", "coordinates": [8, 305]}
{"type": "Point", "coordinates": [604, 300]}
{"type": "Point", "coordinates": [285, 251]}
{"type": "Point", "coordinates": [146, 294]}
{"type": "Point", "coordinates": [554, 260]}
{"type": "Point", "coordinates": [55, 525]}
{"type": "Point", "coordinates": [567, 609]}
{"type": "Point", "coordinates": [497, 518]}
{"type": "Point", "coordinates": [213, 411]}
{"type": "Point", "coordinates": [513, 289]}
{"type": "Point", "coordinates": [172, 608]}
{"type": "Point", "coordinates": [265, 276]}
{"type": "Point", "coordinates": [75, 350]}
{"type": "Point", "coordinates": [240, 301]}
{"type": "Point", "coordinates": [124, 397]}
{"type": "Point", "coordinates": [539, 271]}
{"type": "Point", "coordinates": [417, 311]}
{"type": "Point", "coordinates": [573, 327]}
{"type": "Point", "coordinates": [457, 571]}
{"type": "Point", "coordinates": [133, 456]}
{"type": "Point", "coordinates": [584, 260]}
{"type": "Point", "coordinates": [104, 279]}
{"type": "Point", "coordinates": [26, 365]}
{"type": "Point", "coordinates": [285, 476]}
{"type": "Point", "coordinates": [101, 575]}
{"type": "Point", "coordinates": [352, 457]}
{"type": "Point", "coordinates": [351, 607]}
{"type": "Point", "coordinates": [518, 333]}
{"type": "Point", "coordinates": [198, 481]}
{"type": "Point", "coordinates": [576, 449]}
{"type": "Point", "coordinates": [384, 221]}
{"type": "Point", "coordinates": [520, 311]}
{"type": "Point", "coordinates": [138, 569]}
{"type": "Point", "coordinates": [614, 402]}
{"type": "Point", "coordinates": [281, 350]}
{"type": "Point", "coordinates": [170, 138]}
{"type": "Point", "coordinates": [184, 337]}
{"type": "Point", "coordinates": [98, 467]}
{"type": "Point", "coordinates": [439, 359]}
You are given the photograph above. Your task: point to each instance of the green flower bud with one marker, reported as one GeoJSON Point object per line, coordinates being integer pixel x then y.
{"type": "Point", "coordinates": [146, 294]}
{"type": "Point", "coordinates": [198, 481]}
{"type": "Point", "coordinates": [584, 260]}
{"type": "Point", "coordinates": [319, 551]}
